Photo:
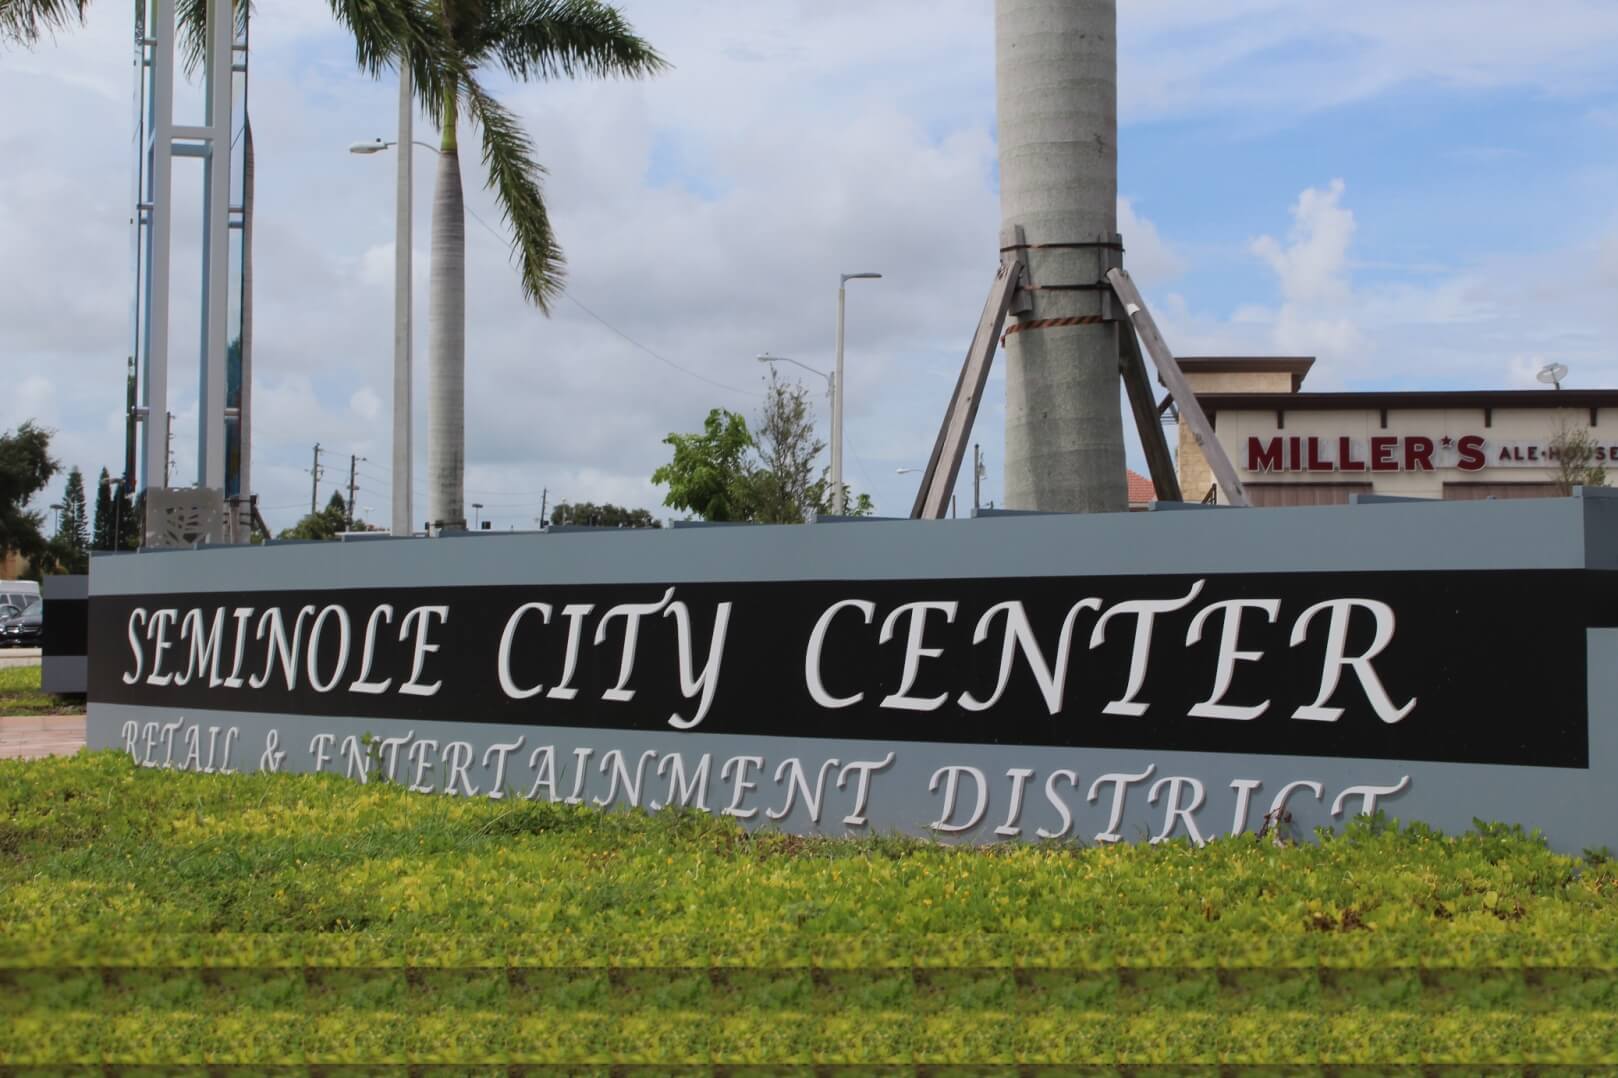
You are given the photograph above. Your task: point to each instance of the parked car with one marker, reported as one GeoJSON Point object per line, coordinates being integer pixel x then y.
{"type": "Point", "coordinates": [15, 595]}
{"type": "Point", "coordinates": [24, 629]}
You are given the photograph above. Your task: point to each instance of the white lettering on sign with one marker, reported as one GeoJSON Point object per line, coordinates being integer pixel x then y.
{"type": "Point", "coordinates": [765, 790]}
{"type": "Point", "coordinates": [915, 652]}
{"type": "Point", "coordinates": [1337, 660]}
{"type": "Point", "coordinates": [812, 673]}
{"type": "Point", "coordinates": [910, 662]}
{"type": "Point", "coordinates": [1229, 656]}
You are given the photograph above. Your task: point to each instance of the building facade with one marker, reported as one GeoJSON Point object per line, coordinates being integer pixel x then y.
{"type": "Point", "coordinates": [1291, 447]}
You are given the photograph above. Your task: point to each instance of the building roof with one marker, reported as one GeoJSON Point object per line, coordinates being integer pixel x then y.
{"type": "Point", "coordinates": [1434, 399]}
{"type": "Point", "coordinates": [1141, 490]}
{"type": "Point", "coordinates": [1297, 366]}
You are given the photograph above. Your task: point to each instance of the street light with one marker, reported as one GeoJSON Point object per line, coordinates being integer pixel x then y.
{"type": "Point", "coordinates": [56, 517]}
{"type": "Point", "coordinates": [377, 145]}
{"type": "Point", "coordinates": [905, 471]}
{"type": "Point", "coordinates": [477, 519]}
{"type": "Point", "coordinates": [403, 458]}
{"type": "Point", "coordinates": [402, 455]}
{"type": "Point", "coordinates": [831, 382]}
{"type": "Point", "coordinates": [837, 393]}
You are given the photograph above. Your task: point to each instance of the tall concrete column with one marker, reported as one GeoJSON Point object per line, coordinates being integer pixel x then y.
{"type": "Point", "coordinates": [1056, 76]}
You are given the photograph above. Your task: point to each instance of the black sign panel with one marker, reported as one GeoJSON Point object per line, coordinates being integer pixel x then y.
{"type": "Point", "coordinates": [1474, 667]}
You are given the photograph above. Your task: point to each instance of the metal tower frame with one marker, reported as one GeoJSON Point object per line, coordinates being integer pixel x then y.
{"type": "Point", "coordinates": [159, 139]}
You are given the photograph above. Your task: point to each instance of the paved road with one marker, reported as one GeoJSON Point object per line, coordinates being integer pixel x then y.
{"type": "Point", "coordinates": [28, 737]}
{"type": "Point", "coordinates": [19, 657]}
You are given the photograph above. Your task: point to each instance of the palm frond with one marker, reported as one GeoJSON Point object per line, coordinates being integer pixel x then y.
{"type": "Point", "coordinates": [388, 32]}
{"type": "Point", "coordinates": [508, 155]}
{"type": "Point", "coordinates": [26, 21]}
{"type": "Point", "coordinates": [545, 39]}
{"type": "Point", "coordinates": [191, 29]}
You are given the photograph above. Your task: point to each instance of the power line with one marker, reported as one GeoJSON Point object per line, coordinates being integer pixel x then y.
{"type": "Point", "coordinates": [649, 351]}
{"type": "Point", "coordinates": [660, 358]}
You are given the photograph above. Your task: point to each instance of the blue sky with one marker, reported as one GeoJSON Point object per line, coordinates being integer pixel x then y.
{"type": "Point", "coordinates": [1421, 196]}
{"type": "Point", "coordinates": [1438, 178]}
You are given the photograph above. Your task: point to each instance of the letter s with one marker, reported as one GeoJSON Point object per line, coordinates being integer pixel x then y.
{"type": "Point", "coordinates": [135, 645]}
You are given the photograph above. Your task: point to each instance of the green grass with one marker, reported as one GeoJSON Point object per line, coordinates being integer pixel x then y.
{"type": "Point", "coordinates": [150, 917]}
{"type": "Point", "coordinates": [20, 695]}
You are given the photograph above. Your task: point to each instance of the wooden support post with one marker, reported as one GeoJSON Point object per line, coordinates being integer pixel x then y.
{"type": "Point", "coordinates": [1168, 371]}
{"type": "Point", "coordinates": [932, 501]}
{"type": "Point", "coordinates": [1148, 417]}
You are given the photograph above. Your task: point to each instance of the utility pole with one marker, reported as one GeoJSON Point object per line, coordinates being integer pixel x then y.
{"type": "Point", "coordinates": [977, 475]}
{"type": "Point", "coordinates": [353, 482]}
{"type": "Point", "coordinates": [1056, 103]}
{"type": "Point", "coordinates": [314, 483]}
{"type": "Point", "coordinates": [130, 399]}
{"type": "Point", "coordinates": [544, 498]}
{"type": "Point", "coordinates": [168, 446]}
{"type": "Point", "coordinates": [838, 507]}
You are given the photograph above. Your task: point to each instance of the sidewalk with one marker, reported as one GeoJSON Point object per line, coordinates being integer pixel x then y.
{"type": "Point", "coordinates": [19, 657]}
{"type": "Point", "coordinates": [28, 737]}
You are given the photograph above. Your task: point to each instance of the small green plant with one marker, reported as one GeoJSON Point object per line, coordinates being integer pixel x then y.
{"type": "Point", "coordinates": [168, 919]}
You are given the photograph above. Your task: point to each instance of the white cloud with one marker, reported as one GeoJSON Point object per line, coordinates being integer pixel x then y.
{"type": "Point", "coordinates": [707, 215]}
{"type": "Point", "coordinates": [1311, 265]}
{"type": "Point", "coordinates": [365, 404]}
{"type": "Point", "coordinates": [1492, 323]}
{"type": "Point", "coordinates": [1151, 260]}
{"type": "Point", "coordinates": [1311, 269]}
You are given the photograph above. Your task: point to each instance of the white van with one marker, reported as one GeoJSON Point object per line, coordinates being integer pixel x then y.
{"type": "Point", "coordinates": [17, 594]}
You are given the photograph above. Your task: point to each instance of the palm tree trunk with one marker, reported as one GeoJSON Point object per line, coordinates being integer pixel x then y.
{"type": "Point", "coordinates": [446, 339]}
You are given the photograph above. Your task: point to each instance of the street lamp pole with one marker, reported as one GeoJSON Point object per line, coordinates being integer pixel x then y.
{"type": "Point", "coordinates": [402, 406]}
{"type": "Point", "coordinates": [837, 505]}
{"type": "Point", "coordinates": [404, 200]}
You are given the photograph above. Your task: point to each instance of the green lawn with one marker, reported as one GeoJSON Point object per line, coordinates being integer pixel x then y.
{"type": "Point", "coordinates": [161, 918]}
{"type": "Point", "coordinates": [20, 695]}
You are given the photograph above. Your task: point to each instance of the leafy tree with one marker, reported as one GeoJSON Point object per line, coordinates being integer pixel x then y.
{"type": "Point", "coordinates": [528, 40]}
{"type": "Point", "coordinates": [328, 523]}
{"type": "Point", "coordinates": [710, 474]}
{"type": "Point", "coordinates": [605, 515]}
{"type": "Point", "coordinates": [785, 490]}
{"type": "Point", "coordinates": [101, 537]}
{"type": "Point", "coordinates": [70, 547]}
{"type": "Point", "coordinates": [767, 477]}
{"type": "Point", "coordinates": [74, 523]}
{"type": "Point", "coordinates": [25, 467]}
{"type": "Point", "coordinates": [117, 518]}
{"type": "Point", "coordinates": [1574, 451]}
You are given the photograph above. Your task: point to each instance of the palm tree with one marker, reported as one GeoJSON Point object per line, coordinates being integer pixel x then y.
{"type": "Point", "coordinates": [383, 30]}
{"type": "Point", "coordinates": [529, 40]}
{"type": "Point", "coordinates": [444, 43]}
